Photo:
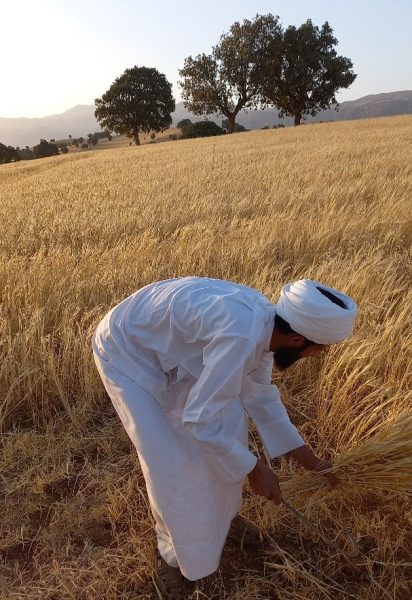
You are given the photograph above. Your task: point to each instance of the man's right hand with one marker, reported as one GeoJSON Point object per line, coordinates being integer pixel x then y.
{"type": "Point", "coordinates": [264, 482]}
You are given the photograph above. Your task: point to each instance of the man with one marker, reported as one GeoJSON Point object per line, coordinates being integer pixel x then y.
{"type": "Point", "coordinates": [184, 362]}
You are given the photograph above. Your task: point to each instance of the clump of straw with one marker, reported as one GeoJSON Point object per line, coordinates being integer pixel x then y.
{"type": "Point", "coordinates": [383, 463]}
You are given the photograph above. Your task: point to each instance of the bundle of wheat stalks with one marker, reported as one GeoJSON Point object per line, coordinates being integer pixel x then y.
{"type": "Point", "coordinates": [384, 462]}
{"type": "Point", "coordinates": [375, 481]}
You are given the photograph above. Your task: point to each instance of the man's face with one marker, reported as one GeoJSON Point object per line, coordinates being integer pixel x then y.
{"type": "Point", "coordinates": [286, 356]}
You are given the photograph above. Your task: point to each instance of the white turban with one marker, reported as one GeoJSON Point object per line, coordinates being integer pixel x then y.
{"type": "Point", "coordinates": [313, 315]}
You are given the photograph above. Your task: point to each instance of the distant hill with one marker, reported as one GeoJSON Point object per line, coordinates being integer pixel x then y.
{"type": "Point", "coordinates": [76, 121]}
{"type": "Point", "coordinates": [80, 120]}
{"type": "Point", "coordinates": [377, 105]}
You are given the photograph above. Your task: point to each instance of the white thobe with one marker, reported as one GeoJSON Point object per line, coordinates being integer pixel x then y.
{"type": "Point", "coordinates": [184, 361]}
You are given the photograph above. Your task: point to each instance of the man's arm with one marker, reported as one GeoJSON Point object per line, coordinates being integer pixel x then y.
{"type": "Point", "coordinates": [263, 403]}
{"type": "Point", "coordinates": [218, 385]}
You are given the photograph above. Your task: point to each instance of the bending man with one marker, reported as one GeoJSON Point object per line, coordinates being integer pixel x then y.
{"type": "Point", "coordinates": [184, 362]}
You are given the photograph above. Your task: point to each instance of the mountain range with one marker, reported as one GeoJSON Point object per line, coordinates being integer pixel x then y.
{"type": "Point", "coordinates": [80, 120]}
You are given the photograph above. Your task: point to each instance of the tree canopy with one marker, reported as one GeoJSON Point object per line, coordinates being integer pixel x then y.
{"type": "Point", "coordinates": [45, 149]}
{"type": "Point", "coordinates": [140, 100]}
{"type": "Point", "coordinates": [302, 75]}
{"type": "Point", "coordinates": [225, 81]}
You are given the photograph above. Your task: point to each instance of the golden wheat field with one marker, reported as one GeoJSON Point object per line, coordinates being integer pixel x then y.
{"type": "Point", "coordinates": [78, 233]}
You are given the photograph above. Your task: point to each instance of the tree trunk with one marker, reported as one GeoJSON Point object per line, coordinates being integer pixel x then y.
{"type": "Point", "coordinates": [231, 120]}
{"type": "Point", "coordinates": [136, 138]}
{"type": "Point", "coordinates": [298, 118]}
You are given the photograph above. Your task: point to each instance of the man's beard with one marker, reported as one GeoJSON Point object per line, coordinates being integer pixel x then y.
{"type": "Point", "coordinates": [286, 357]}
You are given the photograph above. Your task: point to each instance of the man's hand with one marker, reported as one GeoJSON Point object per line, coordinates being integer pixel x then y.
{"type": "Point", "coordinates": [264, 482]}
{"type": "Point", "coordinates": [311, 462]}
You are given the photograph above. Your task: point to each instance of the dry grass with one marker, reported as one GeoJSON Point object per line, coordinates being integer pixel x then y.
{"type": "Point", "coordinates": [121, 141]}
{"type": "Point", "coordinates": [80, 232]}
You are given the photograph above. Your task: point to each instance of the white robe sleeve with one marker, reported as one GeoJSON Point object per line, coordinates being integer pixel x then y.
{"type": "Point", "coordinates": [219, 384]}
{"type": "Point", "coordinates": [262, 401]}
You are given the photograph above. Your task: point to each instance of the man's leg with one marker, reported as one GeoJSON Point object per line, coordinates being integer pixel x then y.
{"type": "Point", "coordinates": [164, 542]}
{"type": "Point", "coordinates": [153, 439]}
{"type": "Point", "coordinates": [195, 505]}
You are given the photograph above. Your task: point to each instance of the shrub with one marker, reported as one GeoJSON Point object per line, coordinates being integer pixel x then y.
{"type": "Point", "coordinates": [202, 129]}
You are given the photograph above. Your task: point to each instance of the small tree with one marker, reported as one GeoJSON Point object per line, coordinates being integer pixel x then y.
{"type": "Point", "coordinates": [84, 146]}
{"type": "Point", "coordinates": [202, 129]}
{"type": "Point", "coordinates": [184, 124]}
{"type": "Point", "coordinates": [45, 149]}
{"type": "Point", "coordinates": [302, 76]}
{"type": "Point", "coordinates": [139, 100]}
{"type": "Point", "coordinates": [25, 153]}
{"type": "Point", "coordinates": [8, 154]}
{"type": "Point", "coordinates": [80, 140]}
{"type": "Point", "coordinates": [63, 149]}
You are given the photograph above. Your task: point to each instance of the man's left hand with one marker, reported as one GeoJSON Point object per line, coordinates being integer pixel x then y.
{"type": "Point", "coordinates": [311, 462]}
{"type": "Point", "coordinates": [323, 465]}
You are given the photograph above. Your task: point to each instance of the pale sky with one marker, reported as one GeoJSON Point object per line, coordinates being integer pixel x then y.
{"type": "Point", "coordinates": [60, 53]}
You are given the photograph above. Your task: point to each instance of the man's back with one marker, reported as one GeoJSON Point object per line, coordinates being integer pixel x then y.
{"type": "Point", "coordinates": [179, 317]}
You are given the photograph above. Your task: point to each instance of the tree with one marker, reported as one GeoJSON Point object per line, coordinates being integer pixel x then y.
{"type": "Point", "coordinates": [84, 145]}
{"type": "Point", "coordinates": [140, 100]}
{"type": "Point", "coordinates": [302, 76]}
{"type": "Point", "coordinates": [45, 149]}
{"type": "Point", "coordinates": [80, 139]}
{"type": "Point", "coordinates": [25, 153]}
{"type": "Point", "coordinates": [64, 148]}
{"type": "Point", "coordinates": [202, 129]}
{"type": "Point", "coordinates": [184, 124]}
{"type": "Point", "coordinates": [237, 129]}
{"type": "Point", "coordinates": [8, 154]}
{"type": "Point", "coordinates": [224, 82]}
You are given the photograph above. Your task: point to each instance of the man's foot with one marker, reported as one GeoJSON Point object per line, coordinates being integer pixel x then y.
{"type": "Point", "coordinates": [244, 533]}
{"type": "Point", "coordinates": [168, 581]}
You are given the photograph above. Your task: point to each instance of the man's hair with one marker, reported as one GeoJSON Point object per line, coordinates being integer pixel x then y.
{"type": "Point", "coordinates": [284, 326]}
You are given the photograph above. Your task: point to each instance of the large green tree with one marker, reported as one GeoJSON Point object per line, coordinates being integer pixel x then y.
{"type": "Point", "coordinates": [140, 100]}
{"type": "Point", "coordinates": [302, 75]}
{"type": "Point", "coordinates": [225, 82]}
